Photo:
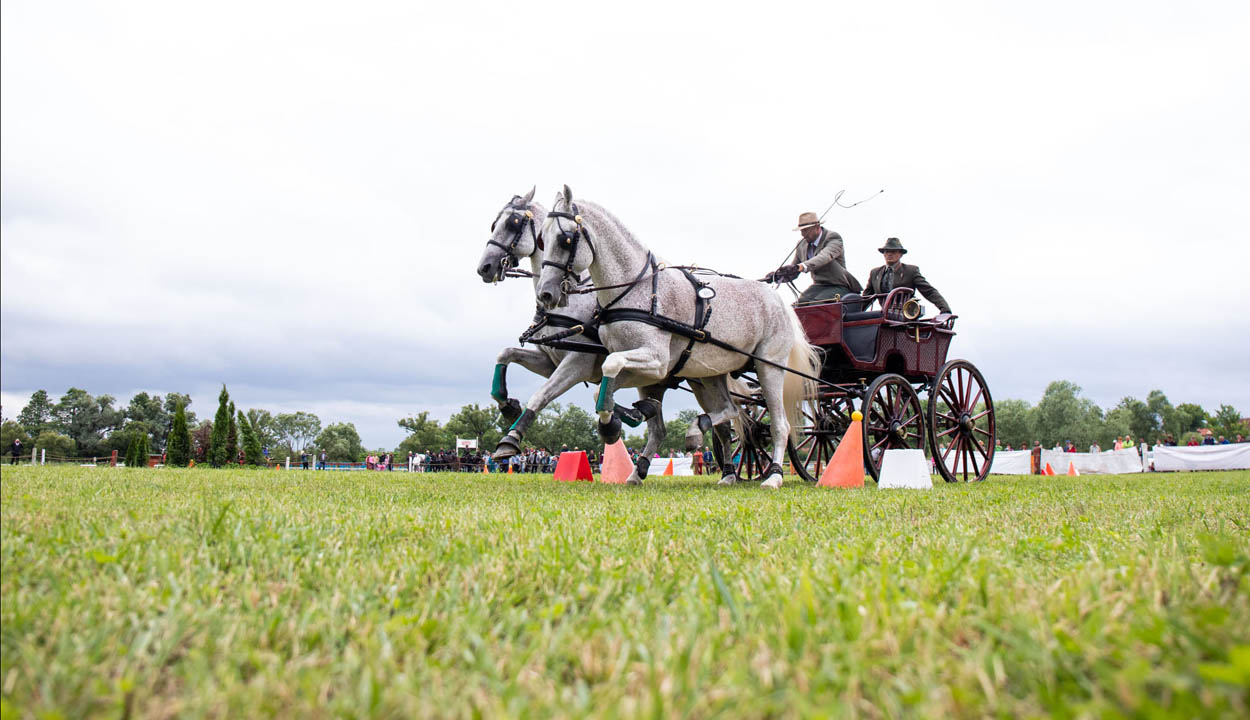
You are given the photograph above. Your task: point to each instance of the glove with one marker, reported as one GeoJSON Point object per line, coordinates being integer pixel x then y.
{"type": "Point", "coordinates": [786, 273]}
{"type": "Point", "coordinates": [769, 278]}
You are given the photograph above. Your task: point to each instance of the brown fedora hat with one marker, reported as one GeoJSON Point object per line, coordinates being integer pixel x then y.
{"type": "Point", "coordinates": [807, 220]}
{"type": "Point", "coordinates": [892, 244]}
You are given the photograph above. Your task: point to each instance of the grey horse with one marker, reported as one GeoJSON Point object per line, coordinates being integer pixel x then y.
{"type": "Point", "coordinates": [514, 239]}
{"type": "Point", "coordinates": [744, 314]}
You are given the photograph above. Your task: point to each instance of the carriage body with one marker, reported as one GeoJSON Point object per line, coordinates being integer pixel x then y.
{"type": "Point", "coordinates": [880, 362]}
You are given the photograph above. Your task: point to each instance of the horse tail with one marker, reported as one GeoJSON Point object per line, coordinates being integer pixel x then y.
{"type": "Point", "coordinates": [737, 386]}
{"type": "Point", "coordinates": [798, 390]}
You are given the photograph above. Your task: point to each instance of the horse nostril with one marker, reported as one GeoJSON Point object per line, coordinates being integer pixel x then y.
{"type": "Point", "coordinates": [544, 297]}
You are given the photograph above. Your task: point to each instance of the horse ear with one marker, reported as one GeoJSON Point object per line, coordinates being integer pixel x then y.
{"type": "Point", "coordinates": [529, 196]}
{"type": "Point", "coordinates": [568, 194]}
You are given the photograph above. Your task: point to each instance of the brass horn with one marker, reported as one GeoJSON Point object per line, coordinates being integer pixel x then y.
{"type": "Point", "coordinates": [912, 310]}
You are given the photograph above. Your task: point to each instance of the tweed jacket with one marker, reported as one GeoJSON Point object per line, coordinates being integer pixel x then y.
{"type": "Point", "coordinates": [907, 276]}
{"type": "Point", "coordinates": [828, 263]}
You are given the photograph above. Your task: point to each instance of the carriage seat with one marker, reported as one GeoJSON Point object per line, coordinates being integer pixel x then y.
{"type": "Point", "coordinates": [861, 340]}
{"type": "Point", "coordinates": [866, 315]}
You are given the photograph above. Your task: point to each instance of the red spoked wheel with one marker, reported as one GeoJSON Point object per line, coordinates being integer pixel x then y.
{"type": "Point", "coordinates": [893, 420]}
{"type": "Point", "coordinates": [961, 423]}
{"type": "Point", "coordinates": [752, 445]}
{"type": "Point", "coordinates": [822, 425]}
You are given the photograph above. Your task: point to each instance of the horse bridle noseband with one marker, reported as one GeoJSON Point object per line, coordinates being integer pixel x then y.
{"type": "Point", "coordinates": [569, 241]}
{"type": "Point", "coordinates": [519, 219]}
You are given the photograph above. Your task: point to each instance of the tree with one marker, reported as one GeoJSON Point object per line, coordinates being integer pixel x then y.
{"type": "Point", "coordinates": [57, 444]}
{"type": "Point", "coordinates": [574, 427]}
{"type": "Point", "coordinates": [479, 423]}
{"type": "Point", "coordinates": [150, 410]}
{"type": "Point", "coordinates": [297, 430]}
{"type": "Point", "coordinates": [178, 449]}
{"type": "Point", "coordinates": [232, 438]}
{"type": "Point", "coordinates": [341, 443]}
{"type": "Point", "coordinates": [86, 419]}
{"type": "Point", "coordinates": [252, 454]}
{"type": "Point", "coordinates": [123, 439]}
{"type": "Point", "coordinates": [1014, 422]}
{"type": "Point", "coordinates": [217, 456]}
{"type": "Point", "coordinates": [175, 400]}
{"type": "Point", "coordinates": [675, 432]}
{"type": "Point", "coordinates": [37, 416]}
{"type": "Point", "coordinates": [1063, 415]}
{"type": "Point", "coordinates": [1227, 422]}
{"type": "Point", "coordinates": [1187, 417]}
{"type": "Point", "coordinates": [1142, 423]}
{"type": "Point", "coordinates": [201, 441]}
{"type": "Point", "coordinates": [136, 452]}
{"type": "Point", "coordinates": [262, 423]}
{"type": "Point", "coordinates": [424, 434]}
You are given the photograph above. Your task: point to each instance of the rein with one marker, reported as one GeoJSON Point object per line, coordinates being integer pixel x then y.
{"type": "Point", "coordinates": [520, 219]}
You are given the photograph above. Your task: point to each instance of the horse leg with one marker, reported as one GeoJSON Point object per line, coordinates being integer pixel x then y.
{"type": "Point", "coordinates": [573, 368]}
{"type": "Point", "coordinates": [642, 361]}
{"type": "Point", "coordinates": [714, 397]}
{"type": "Point", "coordinates": [649, 406]}
{"type": "Point", "coordinates": [536, 361]}
{"type": "Point", "coordinates": [771, 386]}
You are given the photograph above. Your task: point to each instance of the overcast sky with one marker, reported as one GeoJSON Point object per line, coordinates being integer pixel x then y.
{"type": "Point", "coordinates": [291, 198]}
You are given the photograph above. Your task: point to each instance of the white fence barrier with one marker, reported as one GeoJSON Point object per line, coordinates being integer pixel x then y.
{"type": "Point", "coordinates": [681, 466]}
{"type": "Point", "coordinates": [1202, 457]}
{"type": "Point", "coordinates": [1110, 462]}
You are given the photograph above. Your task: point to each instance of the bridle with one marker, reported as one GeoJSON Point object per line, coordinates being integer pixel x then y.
{"type": "Point", "coordinates": [519, 219]}
{"type": "Point", "coordinates": [569, 240]}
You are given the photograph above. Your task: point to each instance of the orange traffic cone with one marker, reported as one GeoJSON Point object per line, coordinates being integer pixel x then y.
{"type": "Point", "coordinates": [668, 470]}
{"type": "Point", "coordinates": [509, 467]}
{"type": "Point", "coordinates": [616, 465]}
{"type": "Point", "coordinates": [1072, 468]}
{"type": "Point", "coordinates": [846, 467]}
{"type": "Point", "coordinates": [1049, 470]}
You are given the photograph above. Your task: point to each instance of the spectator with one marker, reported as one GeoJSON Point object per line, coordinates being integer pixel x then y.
{"type": "Point", "coordinates": [1223, 441]}
{"type": "Point", "coordinates": [1208, 440]}
{"type": "Point", "coordinates": [1240, 439]}
{"type": "Point", "coordinates": [697, 464]}
{"type": "Point", "coordinates": [1094, 449]}
{"type": "Point", "coordinates": [15, 450]}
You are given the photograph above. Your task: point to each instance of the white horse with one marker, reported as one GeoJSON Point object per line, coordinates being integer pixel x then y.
{"type": "Point", "coordinates": [513, 239]}
{"type": "Point", "coordinates": [691, 337]}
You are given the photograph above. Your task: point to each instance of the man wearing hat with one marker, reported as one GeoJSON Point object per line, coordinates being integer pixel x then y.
{"type": "Point", "coordinates": [820, 253]}
{"type": "Point", "coordinates": [895, 274]}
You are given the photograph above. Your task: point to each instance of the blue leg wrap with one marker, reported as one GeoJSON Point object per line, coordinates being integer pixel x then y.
{"type": "Point", "coordinates": [605, 393]}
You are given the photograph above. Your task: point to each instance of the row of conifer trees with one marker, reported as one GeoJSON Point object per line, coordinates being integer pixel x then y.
{"type": "Point", "coordinates": [231, 432]}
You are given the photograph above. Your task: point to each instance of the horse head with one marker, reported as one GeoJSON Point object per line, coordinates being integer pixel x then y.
{"type": "Point", "coordinates": [514, 236]}
{"type": "Point", "coordinates": [567, 251]}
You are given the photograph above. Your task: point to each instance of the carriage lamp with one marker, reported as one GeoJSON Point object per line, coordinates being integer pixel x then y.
{"type": "Point", "coordinates": [912, 309]}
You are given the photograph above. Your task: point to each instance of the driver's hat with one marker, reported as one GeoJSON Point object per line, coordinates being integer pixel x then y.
{"type": "Point", "coordinates": [807, 220]}
{"type": "Point", "coordinates": [892, 244]}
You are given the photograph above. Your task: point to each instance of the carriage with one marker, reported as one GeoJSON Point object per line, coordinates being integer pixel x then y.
{"type": "Point", "coordinates": [880, 362]}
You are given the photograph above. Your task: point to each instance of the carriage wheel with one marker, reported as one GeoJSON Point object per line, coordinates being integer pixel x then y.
{"type": "Point", "coordinates": [752, 445]}
{"type": "Point", "coordinates": [821, 428]}
{"type": "Point", "coordinates": [961, 423]}
{"type": "Point", "coordinates": [892, 420]}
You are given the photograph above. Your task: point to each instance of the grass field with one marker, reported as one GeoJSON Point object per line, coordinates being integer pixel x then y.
{"type": "Point", "coordinates": [158, 593]}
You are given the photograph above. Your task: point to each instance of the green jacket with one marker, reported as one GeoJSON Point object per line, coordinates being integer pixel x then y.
{"type": "Point", "coordinates": [907, 276]}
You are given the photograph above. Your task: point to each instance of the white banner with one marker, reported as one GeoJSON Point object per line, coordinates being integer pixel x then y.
{"type": "Point", "coordinates": [467, 443]}
{"type": "Point", "coordinates": [1011, 462]}
{"type": "Point", "coordinates": [681, 466]}
{"type": "Point", "coordinates": [1203, 457]}
{"type": "Point", "coordinates": [1108, 462]}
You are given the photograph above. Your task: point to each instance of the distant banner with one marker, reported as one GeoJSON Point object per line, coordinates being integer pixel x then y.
{"type": "Point", "coordinates": [681, 466]}
{"type": "Point", "coordinates": [466, 443]}
{"type": "Point", "coordinates": [1203, 457]}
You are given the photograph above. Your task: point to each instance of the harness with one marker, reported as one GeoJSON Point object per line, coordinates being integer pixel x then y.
{"type": "Point", "coordinates": [518, 220]}
{"type": "Point", "coordinates": [556, 341]}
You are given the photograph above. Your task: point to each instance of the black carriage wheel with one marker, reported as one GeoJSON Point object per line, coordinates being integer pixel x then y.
{"type": "Point", "coordinates": [892, 420]}
{"type": "Point", "coordinates": [961, 423]}
{"type": "Point", "coordinates": [752, 445]}
{"type": "Point", "coordinates": [822, 426]}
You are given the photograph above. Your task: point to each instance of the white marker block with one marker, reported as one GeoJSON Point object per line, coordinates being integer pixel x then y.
{"type": "Point", "coordinates": [905, 469]}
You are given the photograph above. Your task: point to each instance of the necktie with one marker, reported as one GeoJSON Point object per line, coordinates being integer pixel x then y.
{"type": "Point", "coordinates": [887, 279]}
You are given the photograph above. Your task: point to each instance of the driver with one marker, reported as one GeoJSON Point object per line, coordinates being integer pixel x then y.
{"type": "Point", "coordinates": [819, 253]}
{"type": "Point", "coordinates": [895, 274]}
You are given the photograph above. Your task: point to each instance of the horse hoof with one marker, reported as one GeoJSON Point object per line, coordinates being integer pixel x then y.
{"type": "Point", "coordinates": [610, 432]}
{"type": "Point", "coordinates": [505, 449]}
{"type": "Point", "coordinates": [772, 483]}
{"type": "Point", "coordinates": [728, 480]}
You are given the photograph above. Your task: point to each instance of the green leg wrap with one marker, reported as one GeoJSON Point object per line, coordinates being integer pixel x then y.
{"type": "Point", "coordinates": [605, 392]}
{"type": "Point", "coordinates": [499, 386]}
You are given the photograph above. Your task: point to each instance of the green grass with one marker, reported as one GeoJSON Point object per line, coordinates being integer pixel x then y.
{"type": "Point", "coordinates": [158, 593]}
